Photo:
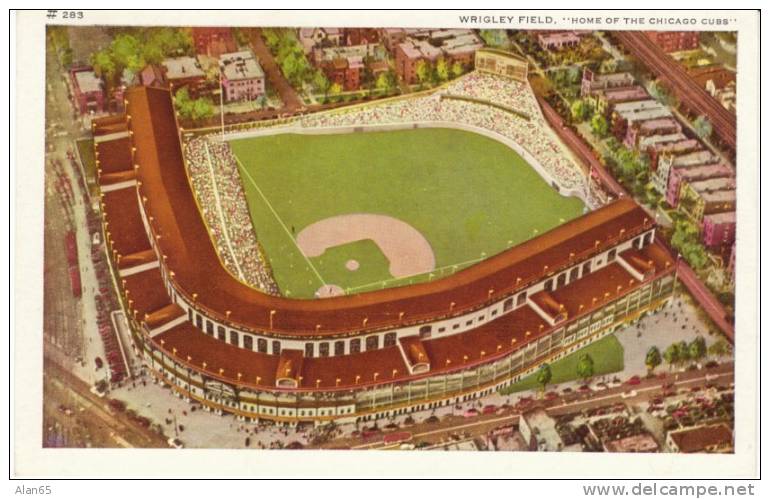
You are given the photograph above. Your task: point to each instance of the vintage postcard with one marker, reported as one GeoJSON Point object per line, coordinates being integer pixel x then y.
{"type": "Point", "coordinates": [523, 235]}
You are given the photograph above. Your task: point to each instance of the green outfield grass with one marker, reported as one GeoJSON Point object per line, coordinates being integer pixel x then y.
{"type": "Point", "coordinates": [607, 354]}
{"type": "Point", "coordinates": [470, 196]}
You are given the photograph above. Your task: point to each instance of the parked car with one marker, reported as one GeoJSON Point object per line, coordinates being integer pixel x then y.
{"type": "Point", "coordinates": [634, 380]}
{"type": "Point", "coordinates": [471, 413]}
{"type": "Point", "coordinates": [630, 394]}
{"type": "Point", "coordinates": [489, 409]}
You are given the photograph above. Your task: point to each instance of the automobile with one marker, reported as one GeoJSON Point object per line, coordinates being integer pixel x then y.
{"type": "Point", "coordinates": [567, 390]}
{"type": "Point", "coordinates": [711, 377]}
{"type": "Point", "coordinates": [471, 413]}
{"type": "Point", "coordinates": [551, 395]}
{"type": "Point", "coordinates": [614, 384]}
{"type": "Point", "coordinates": [584, 388]}
{"type": "Point", "coordinates": [711, 364]}
{"type": "Point", "coordinates": [433, 419]}
{"type": "Point", "coordinates": [656, 401]}
{"type": "Point", "coordinates": [629, 394]}
{"type": "Point", "coordinates": [634, 380]}
{"type": "Point", "coordinates": [175, 443]}
{"type": "Point", "coordinates": [407, 446]}
{"type": "Point", "coordinates": [397, 437]}
{"type": "Point", "coordinates": [489, 409]}
{"type": "Point", "coordinates": [668, 386]}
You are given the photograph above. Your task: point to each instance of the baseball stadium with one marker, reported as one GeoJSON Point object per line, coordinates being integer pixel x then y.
{"type": "Point", "coordinates": [367, 261]}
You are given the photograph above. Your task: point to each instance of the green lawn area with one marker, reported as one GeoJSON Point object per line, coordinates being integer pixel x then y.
{"type": "Point", "coordinates": [470, 196]}
{"type": "Point", "coordinates": [607, 354]}
{"type": "Point", "coordinates": [86, 151]}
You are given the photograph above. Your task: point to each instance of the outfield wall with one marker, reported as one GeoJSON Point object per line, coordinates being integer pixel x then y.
{"type": "Point", "coordinates": [580, 192]}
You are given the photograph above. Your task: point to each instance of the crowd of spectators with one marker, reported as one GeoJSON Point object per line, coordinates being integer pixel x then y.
{"type": "Point", "coordinates": [531, 134]}
{"type": "Point", "coordinates": [217, 185]}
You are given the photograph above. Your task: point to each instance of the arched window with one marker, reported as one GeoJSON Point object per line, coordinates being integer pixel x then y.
{"type": "Point", "coordinates": [508, 304]}
{"type": "Point", "coordinates": [234, 338]}
{"type": "Point", "coordinates": [262, 345]}
{"type": "Point", "coordinates": [276, 347]}
{"type": "Point", "coordinates": [339, 348]}
{"type": "Point", "coordinates": [372, 343]}
{"type": "Point", "coordinates": [323, 349]}
{"type": "Point", "coordinates": [309, 349]}
{"type": "Point", "coordinates": [248, 342]}
{"type": "Point", "coordinates": [355, 345]}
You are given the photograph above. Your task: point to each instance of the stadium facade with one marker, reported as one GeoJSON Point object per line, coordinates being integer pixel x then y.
{"type": "Point", "coordinates": [234, 349]}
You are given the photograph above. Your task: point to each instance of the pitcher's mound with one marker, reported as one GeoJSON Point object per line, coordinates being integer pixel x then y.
{"type": "Point", "coordinates": [329, 290]}
{"type": "Point", "coordinates": [352, 265]}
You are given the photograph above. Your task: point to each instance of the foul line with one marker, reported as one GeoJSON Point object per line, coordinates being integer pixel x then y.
{"type": "Point", "coordinates": [288, 233]}
{"type": "Point", "coordinates": [412, 276]}
{"type": "Point", "coordinates": [225, 226]}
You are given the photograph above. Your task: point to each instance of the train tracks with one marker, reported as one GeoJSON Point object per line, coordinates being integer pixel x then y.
{"type": "Point", "coordinates": [684, 86]}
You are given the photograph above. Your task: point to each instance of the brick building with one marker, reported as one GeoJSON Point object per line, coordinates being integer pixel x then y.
{"type": "Point", "coordinates": [213, 41]}
{"type": "Point", "coordinates": [87, 90]}
{"type": "Point", "coordinates": [719, 229]}
{"type": "Point", "coordinates": [455, 45]}
{"type": "Point", "coordinates": [242, 76]}
{"type": "Point", "coordinates": [675, 41]}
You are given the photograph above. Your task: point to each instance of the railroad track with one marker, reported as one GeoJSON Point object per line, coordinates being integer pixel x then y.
{"type": "Point", "coordinates": [685, 87]}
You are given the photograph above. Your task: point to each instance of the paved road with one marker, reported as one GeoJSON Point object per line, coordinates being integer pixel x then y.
{"type": "Point", "coordinates": [95, 416]}
{"type": "Point", "coordinates": [564, 404]}
{"type": "Point", "coordinates": [291, 101]}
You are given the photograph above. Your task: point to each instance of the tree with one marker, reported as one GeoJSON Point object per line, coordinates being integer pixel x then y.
{"type": "Point", "coordinates": [652, 360]}
{"type": "Point", "coordinates": [335, 90]}
{"type": "Point", "coordinates": [585, 367]}
{"type": "Point", "coordinates": [608, 66]}
{"type": "Point", "coordinates": [442, 69]}
{"type": "Point", "coordinates": [422, 70]}
{"type": "Point", "coordinates": [496, 38]}
{"type": "Point", "coordinates": [684, 351]}
{"type": "Point", "coordinates": [544, 375]}
{"type": "Point", "coordinates": [580, 110]}
{"type": "Point", "coordinates": [457, 69]}
{"type": "Point", "coordinates": [719, 349]}
{"type": "Point", "coordinates": [573, 74]}
{"type": "Point", "coordinates": [697, 348]}
{"type": "Point", "coordinates": [195, 110]}
{"type": "Point", "coordinates": [386, 82]}
{"type": "Point", "coordinates": [321, 83]}
{"type": "Point", "coordinates": [702, 127]}
{"type": "Point", "coordinates": [661, 92]}
{"type": "Point", "coordinates": [671, 355]}
{"type": "Point", "coordinates": [599, 125]}
{"type": "Point", "coordinates": [104, 67]}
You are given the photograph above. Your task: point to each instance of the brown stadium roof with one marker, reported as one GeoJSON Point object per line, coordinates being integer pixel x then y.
{"type": "Point", "coordinates": [494, 339]}
{"type": "Point", "coordinates": [114, 155]}
{"type": "Point", "coordinates": [185, 241]}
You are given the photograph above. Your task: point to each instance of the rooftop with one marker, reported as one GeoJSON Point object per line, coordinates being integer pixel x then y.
{"type": "Point", "coordinates": [240, 66]}
{"type": "Point", "coordinates": [703, 438]}
{"type": "Point", "coordinates": [88, 81]}
{"type": "Point", "coordinates": [721, 218]}
{"type": "Point", "coordinates": [182, 67]}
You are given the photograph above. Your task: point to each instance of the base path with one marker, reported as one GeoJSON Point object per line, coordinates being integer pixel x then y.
{"type": "Point", "coordinates": [408, 252]}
